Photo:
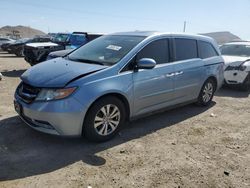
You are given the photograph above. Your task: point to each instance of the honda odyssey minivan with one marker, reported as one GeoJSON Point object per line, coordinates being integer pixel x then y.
{"type": "Point", "coordinates": [117, 77]}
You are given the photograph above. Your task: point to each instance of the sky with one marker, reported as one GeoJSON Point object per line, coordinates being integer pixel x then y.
{"type": "Point", "coordinates": [107, 16]}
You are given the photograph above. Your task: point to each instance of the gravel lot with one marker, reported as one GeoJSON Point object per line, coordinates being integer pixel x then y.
{"type": "Point", "coordinates": [186, 147]}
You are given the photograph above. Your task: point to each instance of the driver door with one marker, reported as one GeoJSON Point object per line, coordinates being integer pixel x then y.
{"type": "Point", "coordinates": [154, 88]}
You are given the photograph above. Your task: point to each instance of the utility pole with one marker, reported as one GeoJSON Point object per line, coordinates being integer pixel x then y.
{"type": "Point", "coordinates": [184, 27]}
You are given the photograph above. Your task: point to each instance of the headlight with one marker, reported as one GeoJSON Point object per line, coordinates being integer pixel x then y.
{"type": "Point", "coordinates": [242, 67]}
{"type": "Point", "coordinates": [54, 94]}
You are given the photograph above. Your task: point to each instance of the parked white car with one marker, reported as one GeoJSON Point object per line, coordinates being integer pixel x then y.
{"type": "Point", "coordinates": [237, 64]}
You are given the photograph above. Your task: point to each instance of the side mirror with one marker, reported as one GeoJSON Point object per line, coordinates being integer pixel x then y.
{"type": "Point", "coordinates": [145, 63]}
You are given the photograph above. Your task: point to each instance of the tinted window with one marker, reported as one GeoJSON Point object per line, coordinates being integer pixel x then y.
{"type": "Point", "coordinates": [157, 50]}
{"type": "Point", "coordinates": [206, 50]}
{"type": "Point", "coordinates": [1, 39]}
{"type": "Point", "coordinates": [185, 49]}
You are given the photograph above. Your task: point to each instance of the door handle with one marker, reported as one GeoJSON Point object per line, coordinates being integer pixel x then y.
{"type": "Point", "coordinates": [179, 73]}
{"type": "Point", "coordinates": [170, 75]}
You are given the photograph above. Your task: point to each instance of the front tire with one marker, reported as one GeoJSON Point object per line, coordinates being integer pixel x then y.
{"type": "Point", "coordinates": [20, 52]}
{"type": "Point", "coordinates": [207, 93]}
{"type": "Point", "coordinates": [104, 119]}
{"type": "Point", "coordinates": [246, 85]}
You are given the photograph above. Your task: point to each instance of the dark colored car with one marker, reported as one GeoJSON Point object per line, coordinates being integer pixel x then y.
{"type": "Point", "coordinates": [5, 45]}
{"type": "Point", "coordinates": [38, 52]}
{"type": "Point", "coordinates": [5, 40]}
{"type": "Point", "coordinates": [17, 48]}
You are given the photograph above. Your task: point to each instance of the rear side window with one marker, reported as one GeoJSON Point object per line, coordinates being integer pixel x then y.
{"type": "Point", "coordinates": [1, 39]}
{"type": "Point", "coordinates": [185, 49]}
{"type": "Point", "coordinates": [206, 50]}
{"type": "Point", "coordinates": [157, 50]}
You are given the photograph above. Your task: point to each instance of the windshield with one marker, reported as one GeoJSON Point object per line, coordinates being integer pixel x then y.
{"type": "Point", "coordinates": [77, 39]}
{"type": "Point", "coordinates": [106, 50]}
{"type": "Point", "coordinates": [235, 50]}
{"type": "Point", "coordinates": [61, 37]}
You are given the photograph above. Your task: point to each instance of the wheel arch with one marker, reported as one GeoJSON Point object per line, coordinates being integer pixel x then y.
{"type": "Point", "coordinates": [212, 77]}
{"type": "Point", "coordinates": [114, 94]}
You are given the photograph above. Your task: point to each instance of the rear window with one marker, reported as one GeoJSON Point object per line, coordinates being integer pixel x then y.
{"type": "Point", "coordinates": [185, 49]}
{"type": "Point", "coordinates": [206, 50]}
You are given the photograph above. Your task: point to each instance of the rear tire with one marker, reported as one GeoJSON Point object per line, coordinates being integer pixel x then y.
{"type": "Point", "coordinates": [207, 93]}
{"type": "Point", "coordinates": [104, 119]}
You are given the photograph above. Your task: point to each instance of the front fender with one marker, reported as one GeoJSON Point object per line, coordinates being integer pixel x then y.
{"type": "Point", "coordinates": [121, 84]}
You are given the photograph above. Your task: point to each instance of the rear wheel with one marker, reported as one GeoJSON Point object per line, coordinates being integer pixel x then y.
{"type": "Point", "coordinates": [104, 119]}
{"type": "Point", "coordinates": [207, 93]}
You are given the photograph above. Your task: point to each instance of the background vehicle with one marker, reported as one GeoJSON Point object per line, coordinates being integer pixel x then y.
{"type": "Point", "coordinates": [5, 40]}
{"type": "Point", "coordinates": [116, 77]}
{"type": "Point", "coordinates": [38, 52]}
{"type": "Point", "coordinates": [17, 47]}
{"type": "Point", "coordinates": [4, 45]}
{"type": "Point", "coordinates": [237, 60]}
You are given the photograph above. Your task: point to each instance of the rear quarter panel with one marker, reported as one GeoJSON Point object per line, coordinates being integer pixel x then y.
{"type": "Point", "coordinates": [215, 68]}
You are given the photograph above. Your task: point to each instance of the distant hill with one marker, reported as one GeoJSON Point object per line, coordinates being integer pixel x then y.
{"type": "Point", "coordinates": [223, 37]}
{"type": "Point", "coordinates": [20, 31]}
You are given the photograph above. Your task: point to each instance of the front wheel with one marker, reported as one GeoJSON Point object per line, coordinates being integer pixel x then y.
{"type": "Point", "coordinates": [20, 52]}
{"type": "Point", "coordinates": [246, 85]}
{"type": "Point", "coordinates": [207, 93]}
{"type": "Point", "coordinates": [104, 119]}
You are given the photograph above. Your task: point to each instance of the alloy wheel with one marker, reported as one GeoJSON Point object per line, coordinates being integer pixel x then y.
{"type": "Point", "coordinates": [107, 119]}
{"type": "Point", "coordinates": [208, 92]}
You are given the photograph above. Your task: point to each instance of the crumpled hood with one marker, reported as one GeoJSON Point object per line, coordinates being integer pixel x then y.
{"type": "Point", "coordinates": [57, 72]}
{"type": "Point", "coordinates": [234, 60]}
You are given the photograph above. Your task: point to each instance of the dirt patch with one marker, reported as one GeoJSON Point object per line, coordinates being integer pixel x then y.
{"type": "Point", "coordinates": [185, 147]}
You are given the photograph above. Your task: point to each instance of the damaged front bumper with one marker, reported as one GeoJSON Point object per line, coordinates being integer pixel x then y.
{"type": "Point", "coordinates": [235, 75]}
{"type": "Point", "coordinates": [36, 55]}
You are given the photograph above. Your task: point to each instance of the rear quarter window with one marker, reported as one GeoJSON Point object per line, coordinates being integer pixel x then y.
{"type": "Point", "coordinates": [206, 50]}
{"type": "Point", "coordinates": [185, 49]}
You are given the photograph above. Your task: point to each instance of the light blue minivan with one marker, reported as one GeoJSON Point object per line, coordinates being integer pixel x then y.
{"type": "Point", "coordinates": [117, 77]}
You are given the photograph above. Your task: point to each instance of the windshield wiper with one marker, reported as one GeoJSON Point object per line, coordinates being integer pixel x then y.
{"type": "Point", "coordinates": [85, 61]}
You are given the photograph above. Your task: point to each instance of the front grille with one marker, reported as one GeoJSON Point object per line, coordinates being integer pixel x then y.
{"type": "Point", "coordinates": [232, 82]}
{"type": "Point", "coordinates": [27, 92]}
{"type": "Point", "coordinates": [37, 123]}
{"type": "Point", "coordinates": [29, 53]}
{"type": "Point", "coordinates": [230, 68]}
